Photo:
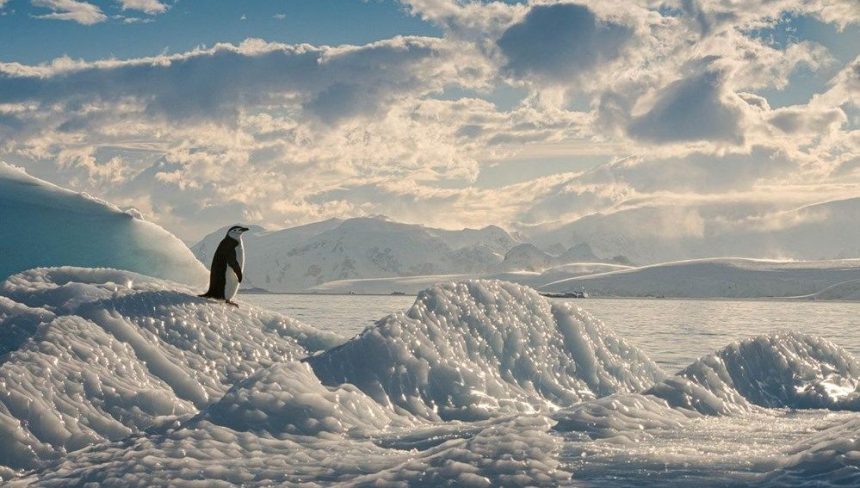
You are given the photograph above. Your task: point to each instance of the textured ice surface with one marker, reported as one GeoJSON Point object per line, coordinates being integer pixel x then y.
{"type": "Point", "coordinates": [60, 227]}
{"type": "Point", "coordinates": [288, 398]}
{"type": "Point", "coordinates": [117, 379]}
{"type": "Point", "coordinates": [99, 354]}
{"type": "Point", "coordinates": [828, 458]}
{"type": "Point", "coordinates": [472, 349]}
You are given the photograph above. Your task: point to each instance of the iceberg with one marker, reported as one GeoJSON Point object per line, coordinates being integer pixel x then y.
{"type": "Point", "coordinates": [52, 226]}
{"type": "Point", "coordinates": [471, 349]}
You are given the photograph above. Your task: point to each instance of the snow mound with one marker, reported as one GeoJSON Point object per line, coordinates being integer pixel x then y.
{"type": "Point", "coordinates": [467, 350]}
{"type": "Point", "coordinates": [289, 398]}
{"type": "Point", "coordinates": [99, 354]}
{"type": "Point", "coordinates": [60, 227]}
{"type": "Point", "coordinates": [784, 370]}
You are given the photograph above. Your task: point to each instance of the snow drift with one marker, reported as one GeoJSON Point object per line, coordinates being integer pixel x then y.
{"type": "Point", "coordinates": [50, 226]}
{"type": "Point", "coordinates": [467, 350]}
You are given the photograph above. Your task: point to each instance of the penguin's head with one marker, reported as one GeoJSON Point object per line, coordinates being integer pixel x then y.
{"type": "Point", "coordinates": [236, 231]}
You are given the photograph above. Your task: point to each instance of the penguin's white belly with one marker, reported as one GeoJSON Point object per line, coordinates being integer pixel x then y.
{"type": "Point", "coordinates": [231, 284]}
{"type": "Point", "coordinates": [231, 281]}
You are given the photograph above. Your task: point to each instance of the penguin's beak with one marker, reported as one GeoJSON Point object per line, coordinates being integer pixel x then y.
{"type": "Point", "coordinates": [245, 229]}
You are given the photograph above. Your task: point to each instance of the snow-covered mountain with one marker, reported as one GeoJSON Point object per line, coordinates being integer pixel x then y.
{"type": "Point", "coordinates": [45, 225]}
{"type": "Point", "coordinates": [723, 278]}
{"type": "Point", "coordinates": [649, 234]}
{"type": "Point", "coordinates": [299, 258]}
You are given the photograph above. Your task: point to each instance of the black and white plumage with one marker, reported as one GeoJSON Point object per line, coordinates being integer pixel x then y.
{"type": "Point", "coordinates": [225, 274]}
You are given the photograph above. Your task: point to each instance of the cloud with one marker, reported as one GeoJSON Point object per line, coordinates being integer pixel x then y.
{"type": "Point", "coordinates": [561, 42]}
{"type": "Point", "coordinates": [799, 120]}
{"type": "Point", "coordinates": [151, 7]}
{"type": "Point", "coordinates": [80, 12]}
{"type": "Point", "coordinates": [213, 84]}
{"type": "Point", "coordinates": [691, 109]}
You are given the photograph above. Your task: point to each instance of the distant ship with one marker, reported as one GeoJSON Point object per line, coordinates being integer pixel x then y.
{"type": "Point", "coordinates": [570, 294]}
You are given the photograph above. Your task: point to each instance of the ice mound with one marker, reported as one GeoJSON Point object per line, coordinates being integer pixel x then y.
{"type": "Point", "coordinates": [98, 354]}
{"type": "Point", "coordinates": [289, 398]}
{"type": "Point", "coordinates": [470, 349]}
{"type": "Point", "coordinates": [783, 370]}
{"type": "Point", "coordinates": [789, 370]}
{"type": "Point", "coordinates": [56, 227]}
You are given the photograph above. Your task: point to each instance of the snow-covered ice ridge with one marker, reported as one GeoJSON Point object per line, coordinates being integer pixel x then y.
{"type": "Point", "coordinates": [119, 379]}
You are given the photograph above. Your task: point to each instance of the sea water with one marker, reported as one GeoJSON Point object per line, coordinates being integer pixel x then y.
{"type": "Point", "coordinates": [672, 332]}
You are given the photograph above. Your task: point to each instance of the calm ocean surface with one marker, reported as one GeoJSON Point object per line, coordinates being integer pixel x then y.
{"type": "Point", "coordinates": [672, 332]}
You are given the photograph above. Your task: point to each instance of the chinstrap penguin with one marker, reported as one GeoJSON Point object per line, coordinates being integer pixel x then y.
{"type": "Point", "coordinates": [225, 274]}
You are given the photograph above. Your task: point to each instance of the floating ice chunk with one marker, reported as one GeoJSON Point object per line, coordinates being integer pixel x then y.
{"type": "Point", "coordinates": [467, 350]}
{"type": "Point", "coordinates": [782, 370]}
{"type": "Point", "coordinates": [60, 227]}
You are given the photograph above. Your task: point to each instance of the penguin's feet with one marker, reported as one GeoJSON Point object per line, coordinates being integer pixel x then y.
{"type": "Point", "coordinates": [231, 302]}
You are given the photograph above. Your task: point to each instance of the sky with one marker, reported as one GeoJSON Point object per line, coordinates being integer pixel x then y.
{"type": "Point", "coordinates": [447, 113]}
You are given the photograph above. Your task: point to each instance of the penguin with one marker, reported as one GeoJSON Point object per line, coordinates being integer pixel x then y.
{"type": "Point", "coordinates": [225, 274]}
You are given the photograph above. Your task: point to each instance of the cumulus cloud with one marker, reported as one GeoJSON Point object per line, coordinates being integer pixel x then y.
{"type": "Point", "coordinates": [81, 12]}
{"type": "Point", "coordinates": [151, 7]}
{"type": "Point", "coordinates": [561, 42]}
